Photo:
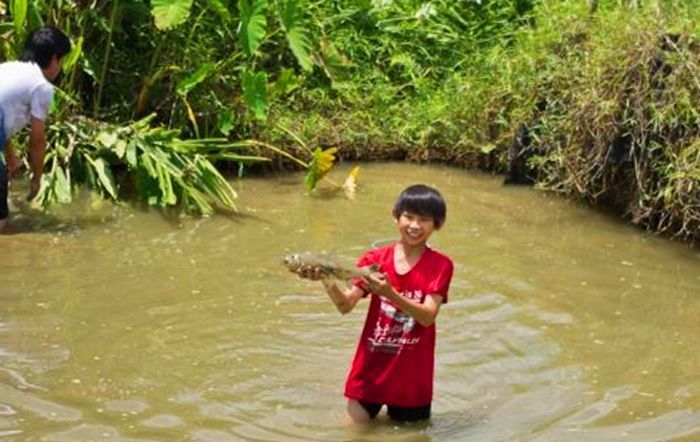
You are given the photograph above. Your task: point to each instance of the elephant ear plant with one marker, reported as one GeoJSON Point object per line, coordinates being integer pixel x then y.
{"type": "Point", "coordinates": [152, 162]}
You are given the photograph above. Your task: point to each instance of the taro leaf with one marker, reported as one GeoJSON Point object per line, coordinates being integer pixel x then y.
{"type": "Point", "coordinates": [255, 93]}
{"type": "Point", "coordinates": [225, 122]}
{"type": "Point", "coordinates": [107, 139]}
{"type": "Point", "coordinates": [333, 63]}
{"type": "Point", "coordinates": [104, 175]}
{"type": "Point", "coordinates": [34, 19]}
{"type": "Point", "coordinates": [321, 162]}
{"type": "Point", "coordinates": [73, 56]}
{"type": "Point", "coordinates": [220, 8]}
{"type": "Point", "coordinates": [201, 74]}
{"type": "Point", "coordinates": [169, 14]}
{"type": "Point", "coordinates": [350, 184]}
{"type": "Point", "coordinates": [296, 30]}
{"type": "Point", "coordinates": [488, 148]}
{"type": "Point", "coordinates": [251, 28]}
{"type": "Point", "coordinates": [61, 186]}
{"type": "Point", "coordinates": [286, 82]}
{"type": "Point", "coordinates": [120, 148]}
{"type": "Point", "coordinates": [131, 155]}
{"type": "Point", "coordinates": [19, 14]}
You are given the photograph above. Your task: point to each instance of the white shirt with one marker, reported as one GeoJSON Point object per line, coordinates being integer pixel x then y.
{"type": "Point", "coordinates": [24, 93]}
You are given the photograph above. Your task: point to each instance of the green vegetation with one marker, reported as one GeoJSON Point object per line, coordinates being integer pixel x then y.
{"type": "Point", "coordinates": [606, 91]}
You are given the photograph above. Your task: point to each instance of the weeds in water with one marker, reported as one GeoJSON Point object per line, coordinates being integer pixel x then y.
{"type": "Point", "coordinates": [150, 162]}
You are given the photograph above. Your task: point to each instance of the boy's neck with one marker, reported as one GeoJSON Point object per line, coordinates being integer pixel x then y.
{"type": "Point", "coordinates": [412, 251]}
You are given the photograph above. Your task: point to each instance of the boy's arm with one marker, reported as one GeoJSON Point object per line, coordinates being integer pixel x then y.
{"type": "Point", "coordinates": [424, 313]}
{"type": "Point", "coordinates": [11, 160]}
{"type": "Point", "coordinates": [37, 149]}
{"type": "Point", "coordinates": [344, 300]}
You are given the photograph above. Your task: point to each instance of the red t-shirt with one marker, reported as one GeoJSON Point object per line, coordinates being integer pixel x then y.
{"type": "Point", "coordinates": [394, 361]}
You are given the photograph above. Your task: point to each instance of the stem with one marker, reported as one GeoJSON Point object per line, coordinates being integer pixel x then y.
{"type": "Point", "coordinates": [272, 148]}
{"type": "Point", "coordinates": [103, 72]}
{"type": "Point", "coordinates": [150, 77]}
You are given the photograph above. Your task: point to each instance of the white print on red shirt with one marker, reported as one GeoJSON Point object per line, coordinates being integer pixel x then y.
{"type": "Point", "coordinates": [392, 332]}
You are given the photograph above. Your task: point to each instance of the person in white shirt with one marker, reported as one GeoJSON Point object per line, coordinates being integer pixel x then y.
{"type": "Point", "coordinates": [26, 93]}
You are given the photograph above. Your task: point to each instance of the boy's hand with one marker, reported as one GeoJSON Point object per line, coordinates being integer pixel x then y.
{"type": "Point", "coordinates": [312, 273]}
{"type": "Point", "coordinates": [379, 284]}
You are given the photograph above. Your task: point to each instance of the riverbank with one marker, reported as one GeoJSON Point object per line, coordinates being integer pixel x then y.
{"type": "Point", "coordinates": [604, 112]}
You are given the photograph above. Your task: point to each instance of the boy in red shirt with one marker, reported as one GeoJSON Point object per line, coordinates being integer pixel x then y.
{"type": "Point", "coordinates": [394, 360]}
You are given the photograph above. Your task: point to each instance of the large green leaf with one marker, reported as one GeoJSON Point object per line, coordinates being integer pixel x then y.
{"type": "Point", "coordinates": [251, 29]}
{"type": "Point", "coordinates": [295, 28]}
{"type": "Point", "coordinates": [170, 13]}
{"type": "Point", "coordinates": [255, 93]}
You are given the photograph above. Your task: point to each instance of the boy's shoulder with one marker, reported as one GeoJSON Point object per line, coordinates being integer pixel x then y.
{"type": "Point", "coordinates": [23, 74]}
{"type": "Point", "coordinates": [19, 66]}
{"type": "Point", "coordinates": [438, 256]}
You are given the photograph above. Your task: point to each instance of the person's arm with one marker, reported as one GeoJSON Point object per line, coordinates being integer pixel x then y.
{"type": "Point", "coordinates": [424, 313]}
{"type": "Point", "coordinates": [344, 300]}
{"type": "Point", "coordinates": [11, 159]}
{"type": "Point", "coordinates": [37, 149]}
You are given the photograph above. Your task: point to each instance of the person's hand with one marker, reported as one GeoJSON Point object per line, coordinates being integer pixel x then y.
{"type": "Point", "coordinates": [13, 164]}
{"type": "Point", "coordinates": [312, 273]}
{"type": "Point", "coordinates": [34, 188]}
{"type": "Point", "coordinates": [379, 284]}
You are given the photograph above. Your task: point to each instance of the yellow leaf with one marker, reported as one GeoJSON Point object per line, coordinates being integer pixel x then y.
{"type": "Point", "coordinates": [320, 164]}
{"type": "Point", "coordinates": [350, 184]}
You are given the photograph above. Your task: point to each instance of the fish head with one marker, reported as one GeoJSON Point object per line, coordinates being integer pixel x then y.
{"type": "Point", "coordinates": [293, 261]}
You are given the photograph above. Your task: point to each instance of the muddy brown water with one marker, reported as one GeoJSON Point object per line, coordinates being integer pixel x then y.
{"type": "Point", "coordinates": [563, 324]}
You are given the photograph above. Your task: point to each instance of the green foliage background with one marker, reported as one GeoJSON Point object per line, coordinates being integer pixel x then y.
{"type": "Point", "coordinates": [437, 80]}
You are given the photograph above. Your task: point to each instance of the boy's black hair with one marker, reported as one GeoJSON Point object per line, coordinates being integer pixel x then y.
{"type": "Point", "coordinates": [44, 43]}
{"type": "Point", "coordinates": [422, 200]}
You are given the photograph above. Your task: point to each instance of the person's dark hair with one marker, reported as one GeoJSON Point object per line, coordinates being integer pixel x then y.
{"type": "Point", "coordinates": [422, 200]}
{"type": "Point", "coordinates": [44, 43]}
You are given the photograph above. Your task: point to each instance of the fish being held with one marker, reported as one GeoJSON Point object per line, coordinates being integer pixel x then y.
{"type": "Point", "coordinates": [328, 264]}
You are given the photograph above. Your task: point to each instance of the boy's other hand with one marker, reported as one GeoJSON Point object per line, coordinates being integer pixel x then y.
{"type": "Point", "coordinates": [13, 164]}
{"type": "Point", "coordinates": [34, 189]}
{"type": "Point", "coordinates": [379, 284]}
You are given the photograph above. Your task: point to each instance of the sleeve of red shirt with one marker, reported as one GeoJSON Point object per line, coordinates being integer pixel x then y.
{"type": "Point", "coordinates": [440, 283]}
{"type": "Point", "coordinates": [365, 260]}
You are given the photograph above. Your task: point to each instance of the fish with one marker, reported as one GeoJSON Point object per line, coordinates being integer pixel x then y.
{"type": "Point", "coordinates": [329, 265]}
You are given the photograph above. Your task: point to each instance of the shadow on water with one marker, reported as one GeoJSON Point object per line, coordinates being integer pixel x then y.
{"type": "Point", "coordinates": [68, 219]}
{"type": "Point", "coordinates": [26, 219]}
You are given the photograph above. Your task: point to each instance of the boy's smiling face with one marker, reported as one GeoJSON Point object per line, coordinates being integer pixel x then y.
{"type": "Point", "coordinates": [415, 229]}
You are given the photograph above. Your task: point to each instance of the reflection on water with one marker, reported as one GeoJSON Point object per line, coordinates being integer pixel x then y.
{"type": "Point", "coordinates": [563, 324]}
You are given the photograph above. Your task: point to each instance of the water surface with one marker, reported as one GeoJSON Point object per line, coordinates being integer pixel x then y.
{"type": "Point", "coordinates": [130, 325]}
